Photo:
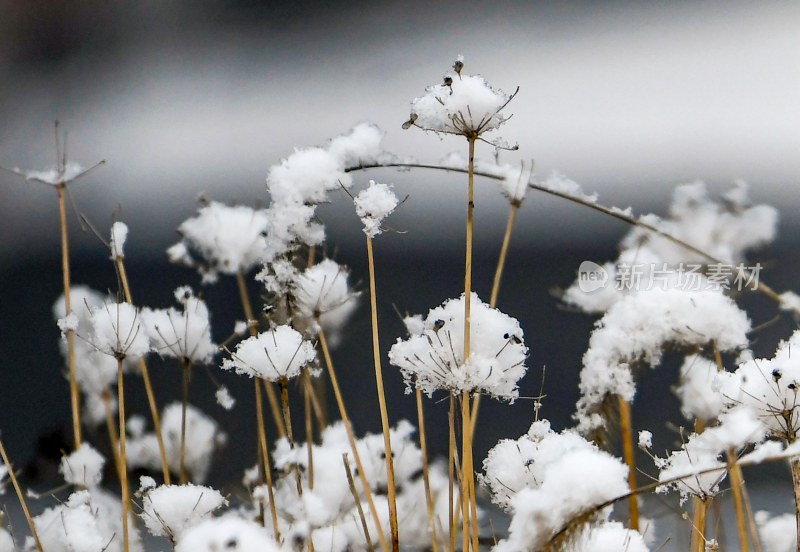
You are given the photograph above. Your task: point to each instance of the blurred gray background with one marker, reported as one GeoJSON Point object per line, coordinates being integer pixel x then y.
{"type": "Point", "coordinates": [627, 98]}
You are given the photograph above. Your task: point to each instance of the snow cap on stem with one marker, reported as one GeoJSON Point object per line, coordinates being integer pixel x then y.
{"type": "Point", "coordinates": [374, 204]}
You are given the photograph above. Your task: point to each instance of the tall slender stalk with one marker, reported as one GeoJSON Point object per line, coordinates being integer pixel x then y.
{"type": "Point", "coordinates": [357, 500]}
{"type": "Point", "coordinates": [275, 408]}
{"type": "Point", "coordinates": [795, 466]}
{"type": "Point", "coordinates": [451, 468]}
{"type": "Point", "coordinates": [626, 427]}
{"type": "Point", "coordinates": [265, 463]}
{"type": "Point", "coordinates": [498, 276]}
{"type": "Point", "coordinates": [119, 262]}
{"type": "Point", "coordinates": [113, 434]}
{"type": "Point", "coordinates": [21, 497]}
{"type": "Point", "coordinates": [423, 446]}
{"type": "Point", "coordinates": [309, 429]}
{"type": "Point", "coordinates": [287, 420]}
{"type": "Point", "coordinates": [351, 437]}
{"type": "Point", "coordinates": [187, 375]}
{"type": "Point", "coordinates": [123, 458]}
{"type": "Point", "coordinates": [73, 381]}
{"type": "Point", "coordinates": [699, 518]}
{"type": "Point", "coordinates": [376, 355]}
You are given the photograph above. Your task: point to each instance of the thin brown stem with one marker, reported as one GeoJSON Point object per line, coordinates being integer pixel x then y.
{"type": "Point", "coordinates": [187, 374]}
{"type": "Point", "coordinates": [309, 430]}
{"type": "Point", "coordinates": [265, 463]}
{"type": "Point", "coordinates": [423, 446]}
{"type": "Point", "coordinates": [699, 519]}
{"type": "Point", "coordinates": [272, 397]}
{"type": "Point", "coordinates": [148, 385]}
{"type": "Point", "coordinates": [351, 437]}
{"type": "Point", "coordinates": [123, 458]}
{"type": "Point", "coordinates": [357, 500]}
{"type": "Point", "coordinates": [65, 271]}
{"type": "Point", "coordinates": [376, 356]}
{"type": "Point", "coordinates": [626, 427]}
{"type": "Point", "coordinates": [311, 393]}
{"type": "Point", "coordinates": [795, 466]}
{"type": "Point", "coordinates": [451, 468]}
{"type": "Point", "coordinates": [113, 434]}
{"type": "Point", "coordinates": [21, 497]}
{"type": "Point", "coordinates": [737, 486]}
{"type": "Point", "coordinates": [498, 276]}
{"type": "Point", "coordinates": [287, 419]}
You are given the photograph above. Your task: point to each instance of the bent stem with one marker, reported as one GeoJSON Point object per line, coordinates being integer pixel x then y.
{"type": "Point", "coordinates": [21, 497]}
{"type": "Point", "coordinates": [119, 262]}
{"type": "Point", "coordinates": [423, 446]}
{"type": "Point", "coordinates": [626, 426]}
{"type": "Point", "coordinates": [350, 436]}
{"type": "Point", "coordinates": [498, 276]}
{"type": "Point", "coordinates": [123, 458]}
{"type": "Point", "coordinates": [376, 355]}
{"type": "Point", "coordinates": [73, 381]}
{"type": "Point", "coordinates": [187, 375]}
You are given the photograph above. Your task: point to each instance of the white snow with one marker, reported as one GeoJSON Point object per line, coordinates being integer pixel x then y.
{"type": "Point", "coordinates": [274, 355]}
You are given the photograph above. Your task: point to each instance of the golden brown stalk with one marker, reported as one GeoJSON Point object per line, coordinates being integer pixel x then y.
{"type": "Point", "coordinates": [376, 355]}
{"type": "Point", "coordinates": [699, 524]}
{"type": "Point", "coordinates": [423, 446]}
{"type": "Point", "coordinates": [187, 374]}
{"type": "Point", "coordinates": [451, 463]}
{"type": "Point", "coordinates": [311, 393]}
{"type": "Point", "coordinates": [498, 275]}
{"type": "Point", "coordinates": [123, 458]}
{"type": "Point", "coordinates": [148, 386]}
{"type": "Point", "coordinates": [309, 431]}
{"type": "Point", "coordinates": [351, 437]}
{"type": "Point", "coordinates": [795, 466]}
{"type": "Point", "coordinates": [265, 463]}
{"type": "Point", "coordinates": [248, 313]}
{"type": "Point", "coordinates": [74, 393]}
{"type": "Point", "coordinates": [354, 492]}
{"type": "Point", "coordinates": [21, 497]}
{"type": "Point", "coordinates": [113, 435]}
{"type": "Point", "coordinates": [287, 419]}
{"type": "Point", "coordinates": [737, 485]}
{"type": "Point", "coordinates": [626, 426]}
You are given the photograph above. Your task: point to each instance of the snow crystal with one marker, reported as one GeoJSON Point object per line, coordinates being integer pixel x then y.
{"type": "Point", "coordinates": [699, 399]}
{"type": "Point", "coordinates": [559, 183]}
{"type": "Point", "coordinates": [645, 440]}
{"type": "Point", "coordinates": [374, 204]}
{"type": "Point", "coordinates": [83, 467]}
{"type": "Point", "coordinates": [274, 355]}
{"type": "Point", "coordinates": [168, 510]}
{"type": "Point", "coordinates": [434, 358]}
{"type": "Point", "coordinates": [224, 398]}
{"type": "Point", "coordinates": [119, 233]}
{"type": "Point", "coordinates": [184, 335]}
{"type": "Point", "coordinates": [790, 301]}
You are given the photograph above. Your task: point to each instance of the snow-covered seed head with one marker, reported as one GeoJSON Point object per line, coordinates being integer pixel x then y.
{"type": "Point", "coordinates": [374, 204]}
{"type": "Point", "coordinates": [322, 295]}
{"type": "Point", "coordinates": [83, 467]}
{"type": "Point", "coordinates": [433, 359]}
{"type": "Point", "coordinates": [184, 334]}
{"type": "Point", "coordinates": [117, 331]}
{"type": "Point", "coordinates": [168, 510]}
{"type": "Point", "coordinates": [274, 355]}
{"type": "Point", "coordinates": [119, 233]}
{"type": "Point", "coordinates": [228, 240]}
{"type": "Point", "coordinates": [463, 104]}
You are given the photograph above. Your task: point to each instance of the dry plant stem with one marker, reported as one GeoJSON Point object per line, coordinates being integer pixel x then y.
{"type": "Point", "coordinates": [354, 492]}
{"type": "Point", "coordinates": [795, 465]}
{"type": "Point", "coordinates": [265, 464]}
{"type": "Point", "coordinates": [751, 521]}
{"type": "Point", "coordinates": [423, 446]}
{"type": "Point", "coordinates": [113, 435]}
{"type": "Point", "coordinates": [387, 443]}
{"type": "Point", "coordinates": [350, 436]}
{"type": "Point", "coordinates": [737, 485]}
{"type": "Point", "coordinates": [469, 506]}
{"type": "Point", "coordinates": [626, 426]}
{"type": "Point", "coordinates": [498, 276]}
{"type": "Point", "coordinates": [287, 419]}
{"type": "Point", "coordinates": [187, 375]}
{"type": "Point", "coordinates": [311, 393]}
{"type": "Point", "coordinates": [148, 386]}
{"type": "Point", "coordinates": [451, 463]}
{"type": "Point", "coordinates": [614, 213]}
{"type": "Point", "coordinates": [699, 524]}
{"type": "Point", "coordinates": [737, 480]}
{"type": "Point", "coordinates": [73, 381]}
{"type": "Point", "coordinates": [248, 313]}
{"type": "Point", "coordinates": [309, 431]}
{"type": "Point", "coordinates": [123, 458]}
{"type": "Point", "coordinates": [21, 497]}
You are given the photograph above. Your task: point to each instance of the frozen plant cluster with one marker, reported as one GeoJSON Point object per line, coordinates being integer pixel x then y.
{"type": "Point", "coordinates": [338, 490]}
